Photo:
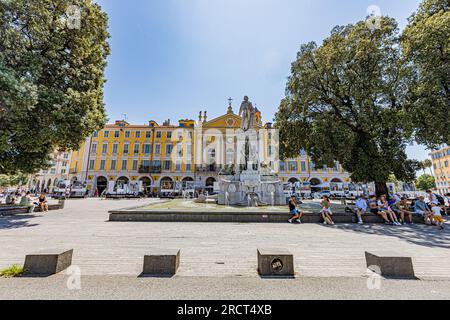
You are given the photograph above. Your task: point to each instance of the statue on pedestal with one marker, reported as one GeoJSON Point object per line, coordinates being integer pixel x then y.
{"type": "Point", "coordinates": [247, 112]}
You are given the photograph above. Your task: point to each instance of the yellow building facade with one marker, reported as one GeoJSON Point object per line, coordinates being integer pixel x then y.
{"type": "Point", "coordinates": [188, 151]}
{"type": "Point", "coordinates": [441, 167]}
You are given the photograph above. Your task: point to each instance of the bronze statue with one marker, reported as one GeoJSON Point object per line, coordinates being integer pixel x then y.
{"type": "Point", "coordinates": [247, 112]}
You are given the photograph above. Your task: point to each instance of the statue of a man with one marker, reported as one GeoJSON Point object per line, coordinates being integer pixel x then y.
{"type": "Point", "coordinates": [247, 112]}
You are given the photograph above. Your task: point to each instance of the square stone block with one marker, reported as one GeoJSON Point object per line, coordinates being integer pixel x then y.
{"type": "Point", "coordinates": [48, 262]}
{"type": "Point", "coordinates": [390, 264]}
{"type": "Point", "coordinates": [162, 262]}
{"type": "Point", "coordinates": [275, 262]}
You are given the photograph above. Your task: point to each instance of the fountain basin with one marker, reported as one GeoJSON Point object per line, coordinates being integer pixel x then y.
{"type": "Point", "coordinates": [180, 210]}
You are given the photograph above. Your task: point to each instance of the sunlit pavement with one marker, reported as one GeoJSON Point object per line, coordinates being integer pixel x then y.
{"type": "Point", "coordinates": [226, 250]}
{"type": "Point", "coordinates": [196, 288]}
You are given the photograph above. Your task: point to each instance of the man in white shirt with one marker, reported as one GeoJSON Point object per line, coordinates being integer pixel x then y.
{"type": "Point", "coordinates": [431, 197]}
{"type": "Point", "coordinates": [360, 208]}
{"type": "Point", "coordinates": [447, 203]}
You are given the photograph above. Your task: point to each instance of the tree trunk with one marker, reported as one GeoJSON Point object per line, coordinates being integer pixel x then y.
{"type": "Point", "coordinates": [381, 188]}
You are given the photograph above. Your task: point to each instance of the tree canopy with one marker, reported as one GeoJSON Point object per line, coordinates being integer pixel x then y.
{"type": "Point", "coordinates": [425, 182]}
{"type": "Point", "coordinates": [425, 44]}
{"type": "Point", "coordinates": [364, 94]}
{"type": "Point", "coordinates": [51, 79]}
{"type": "Point", "coordinates": [12, 181]}
{"type": "Point", "coordinates": [345, 100]}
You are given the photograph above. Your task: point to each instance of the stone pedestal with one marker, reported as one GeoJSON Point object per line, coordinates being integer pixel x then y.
{"type": "Point", "coordinates": [275, 263]}
{"type": "Point", "coordinates": [390, 264]}
{"type": "Point", "coordinates": [48, 262]}
{"type": "Point", "coordinates": [162, 262]}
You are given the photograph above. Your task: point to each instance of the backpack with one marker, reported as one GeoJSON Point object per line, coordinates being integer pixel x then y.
{"type": "Point", "coordinates": [440, 199]}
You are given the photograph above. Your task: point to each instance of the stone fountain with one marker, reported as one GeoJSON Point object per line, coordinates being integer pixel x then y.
{"type": "Point", "coordinates": [250, 187]}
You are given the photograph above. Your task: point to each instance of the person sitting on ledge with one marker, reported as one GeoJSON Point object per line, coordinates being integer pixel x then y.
{"type": "Point", "coordinates": [383, 205]}
{"type": "Point", "coordinates": [296, 213]}
{"type": "Point", "coordinates": [374, 209]}
{"type": "Point", "coordinates": [43, 203]}
{"type": "Point", "coordinates": [26, 201]}
{"type": "Point", "coordinates": [447, 204]}
{"type": "Point", "coordinates": [360, 208]}
{"type": "Point", "coordinates": [326, 211]}
{"type": "Point", "coordinates": [422, 209]}
{"type": "Point", "coordinates": [437, 216]}
{"type": "Point", "coordinates": [10, 199]}
{"type": "Point", "coordinates": [402, 208]}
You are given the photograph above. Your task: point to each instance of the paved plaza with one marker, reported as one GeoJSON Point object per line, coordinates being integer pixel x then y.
{"type": "Point", "coordinates": [104, 250]}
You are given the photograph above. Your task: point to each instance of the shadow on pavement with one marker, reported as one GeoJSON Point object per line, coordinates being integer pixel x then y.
{"type": "Point", "coordinates": [422, 235]}
{"type": "Point", "coordinates": [16, 221]}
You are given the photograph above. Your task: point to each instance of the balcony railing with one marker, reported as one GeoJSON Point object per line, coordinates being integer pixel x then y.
{"type": "Point", "coordinates": [209, 169]}
{"type": "Point", "coordinates": [149, 169]}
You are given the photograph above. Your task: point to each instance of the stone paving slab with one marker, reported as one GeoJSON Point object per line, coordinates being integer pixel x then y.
{"type": "Point", "coordinates": [214, 249]}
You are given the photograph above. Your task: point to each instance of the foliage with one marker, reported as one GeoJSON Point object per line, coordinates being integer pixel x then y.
{"type": "Point", "coordinates": [12, 180]}
{"type": "Point", "coordinates": [11, 272]}
{"type": "Point", "coordinates": [51, 79]}
{"type": "Point", "coordinates": [425, 43]}
{"type": "Point", "coordinates": [425, 182]}
{"type": "Point", "coordinates": [345, 101]}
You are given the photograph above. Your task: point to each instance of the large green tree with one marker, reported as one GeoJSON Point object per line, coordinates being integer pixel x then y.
{"type": "Point", "coordinates": [13, 181]}
{"type": "Point", "coordinates": [345, 101]}
{"type": "Point", "coordinates": [425, 182]}
{"type": "Point", "coordinates": [51, 78]}
{"type": "Point", "coordinates": [426, 45]}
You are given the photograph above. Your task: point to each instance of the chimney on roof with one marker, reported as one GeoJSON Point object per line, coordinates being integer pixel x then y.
{"type": "Point", "coordinates": [205, 118]}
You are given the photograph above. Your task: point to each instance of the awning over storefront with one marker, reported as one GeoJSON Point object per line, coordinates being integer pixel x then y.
{"type": "Point", "coordinates": [322, 186]}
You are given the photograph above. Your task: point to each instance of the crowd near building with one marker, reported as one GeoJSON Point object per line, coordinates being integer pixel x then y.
{"type": "Point", "coordinates": [167, 153]}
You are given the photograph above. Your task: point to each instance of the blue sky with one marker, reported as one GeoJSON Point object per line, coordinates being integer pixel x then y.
{"type": "Point", "coordinates": [174, 58]}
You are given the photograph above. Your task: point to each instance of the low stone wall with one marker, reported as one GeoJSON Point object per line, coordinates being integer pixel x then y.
{"type": "Point", "coordinates": [244, 217]}
{"type": "Point", "coordinates": [13, 210]}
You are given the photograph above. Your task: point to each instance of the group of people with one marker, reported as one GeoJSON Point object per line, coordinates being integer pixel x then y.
{"type": "Point", "coordinates": [394, 210]}
{"type": "Point", "coordinates": [398, 210]}
{"type": "Point", "coordinates": [25, 199]}
{"type": "Point", "coordinates": [325, 211]}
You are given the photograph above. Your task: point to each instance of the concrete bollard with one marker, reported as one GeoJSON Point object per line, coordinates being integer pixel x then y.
{"type": "Point", "coordinates": [391, 264]}
{"type": "Point", "coordinates": [275, 263]}
{"type": "Point", "coordinates": [48, 262]}
{"type": "Point", "coordinates": [162, 262]}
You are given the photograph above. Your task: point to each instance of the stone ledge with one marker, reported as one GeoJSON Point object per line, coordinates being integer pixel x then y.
{"type": "Point", "coordinates": [234, 217]}
{"type": "Point", "coordinates": [13, 210]}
